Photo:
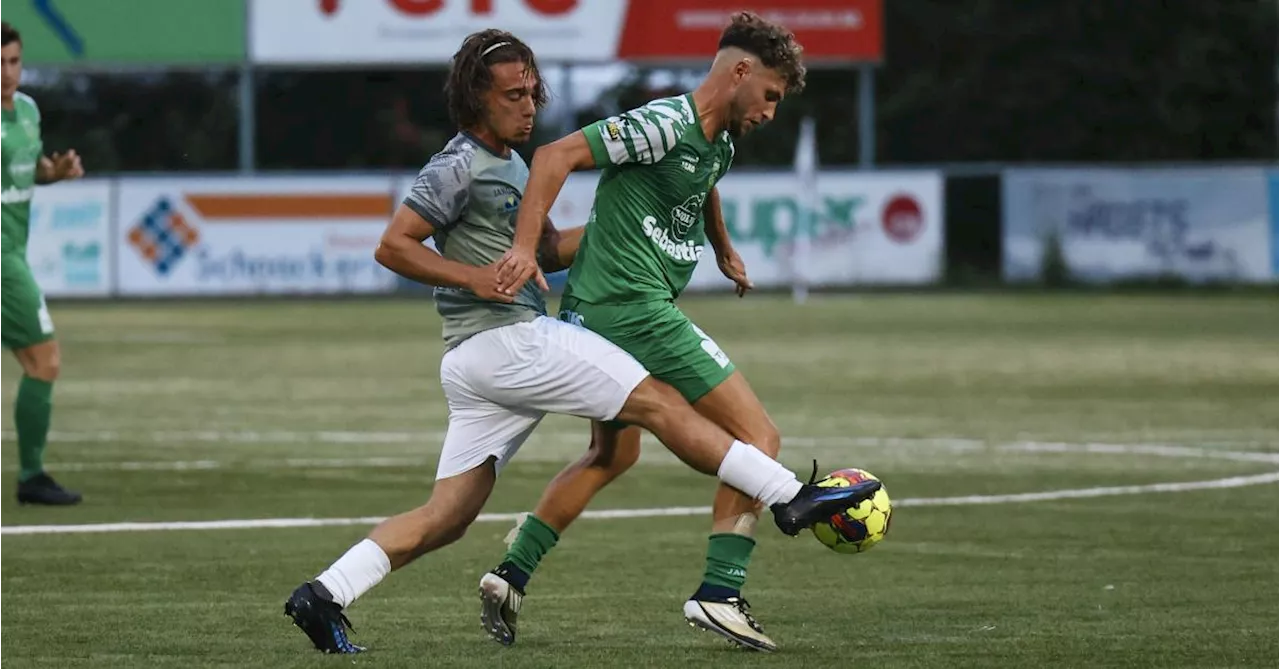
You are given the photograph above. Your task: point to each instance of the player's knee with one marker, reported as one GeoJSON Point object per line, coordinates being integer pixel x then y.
{"type": "Point", "coordinates": [42, 362]}
{"type": "Point", "coordinates": [769, 441]}
{"type": "Point", "coordinates": [439, 530]}
{"type": "Point", "coordinates": [616, 458]}
{"type": "Point", "coordinates": [454, 531]}
{"type": "Point", "coordinates": [49, 369]}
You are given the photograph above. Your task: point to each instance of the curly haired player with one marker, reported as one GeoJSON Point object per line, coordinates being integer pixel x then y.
{"type": "Point", "coordinates": [655, 206]}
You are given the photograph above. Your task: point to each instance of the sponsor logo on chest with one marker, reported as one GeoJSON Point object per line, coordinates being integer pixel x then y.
{"type": "Point", "coordinates": [676, 249]}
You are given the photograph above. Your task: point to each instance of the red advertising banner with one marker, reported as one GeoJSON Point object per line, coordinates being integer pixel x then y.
{"type": "Point", "coordinates": [829, 30]}
{"type": "Point", "coordinates": [429, 31]}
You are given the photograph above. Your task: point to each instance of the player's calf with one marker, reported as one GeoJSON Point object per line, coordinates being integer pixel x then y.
{"type": "Point", "coordinates": [705, 446]}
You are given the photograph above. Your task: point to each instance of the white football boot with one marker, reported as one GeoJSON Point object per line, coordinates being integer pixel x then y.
{"type": "Point", "coordinates": [730, 618]}
{"type": "Point", "coordinates": [499, 608]}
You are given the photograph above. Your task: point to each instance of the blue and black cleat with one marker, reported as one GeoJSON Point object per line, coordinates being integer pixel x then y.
{"type": "Point", "coordinates": [314, 612]}
{"type": "Point", "coordinates": [815, 503]}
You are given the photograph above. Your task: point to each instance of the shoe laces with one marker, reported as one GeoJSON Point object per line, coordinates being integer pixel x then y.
{"type": "Point", "coordinates": [745, 609]}
{"type": "Point", "coordinates": [813, 476]}
{"type": "Point", "coordinates": [347, 623]}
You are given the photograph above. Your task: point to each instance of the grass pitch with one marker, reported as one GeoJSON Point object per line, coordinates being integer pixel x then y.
{"type": "Point", "coordinates": [216, 411]}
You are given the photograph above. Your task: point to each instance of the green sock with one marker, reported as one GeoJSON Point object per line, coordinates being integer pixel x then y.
{"type": "Point", "coordinates": [533, 541]}
{"type": "Point", "coordinates": [31, 412]}
{"type": "Point", "coordinates": [727, 558]}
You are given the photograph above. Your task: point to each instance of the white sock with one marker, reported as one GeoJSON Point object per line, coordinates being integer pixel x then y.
{"type": "Point", "coordinates": [361, 568]}
{"type": "Point", "coordinates": [748, 469]}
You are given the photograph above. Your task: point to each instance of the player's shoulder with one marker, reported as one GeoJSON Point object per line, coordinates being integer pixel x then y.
{"type": "Point", "coordinates": [676, 108]}
{"type": "Point", "coordinates": [27, 103]}
{"type": "Point", "coordinates": [458, 154]}
{"type": "Point", "coordinates": [451, 166]}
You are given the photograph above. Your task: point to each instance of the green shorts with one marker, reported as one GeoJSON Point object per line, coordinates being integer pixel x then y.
{"type": "Point", "coordinates": [24, 317]}
{"type": "Point", "coordinates": [661, 337]}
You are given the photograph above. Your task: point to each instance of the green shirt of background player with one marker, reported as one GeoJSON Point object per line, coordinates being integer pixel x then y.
{"type": "Point", "coordinates": [655, 206]}
{"type": "Point", "coordinates": [27, 329]}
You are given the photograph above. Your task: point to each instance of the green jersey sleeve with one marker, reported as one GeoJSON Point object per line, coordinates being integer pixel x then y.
{"type": "Point", "coordinates": [642, 135]}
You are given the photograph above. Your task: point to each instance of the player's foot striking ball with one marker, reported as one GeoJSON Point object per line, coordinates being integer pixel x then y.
{"type": "Point", "coordinates": [860, 526]}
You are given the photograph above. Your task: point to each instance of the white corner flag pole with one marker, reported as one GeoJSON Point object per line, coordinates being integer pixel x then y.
{"type": "Point", "coordinates": [806, 169]}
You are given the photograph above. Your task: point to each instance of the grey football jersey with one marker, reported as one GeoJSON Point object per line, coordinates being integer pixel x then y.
{"type": "Point", "coordinates": [471, 196]}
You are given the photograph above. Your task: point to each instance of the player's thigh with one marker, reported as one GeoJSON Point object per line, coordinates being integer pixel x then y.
{"type": "Point", "coordinates": [24, 316]}
{"type": "Point", "coordinates": [664, 340]}
{"type": "Point", "coordinates": [564, 369]}
{"type": "Point", "coordinates": [734, 406]}
{"type": "Point", "coordinates": [479, 428]}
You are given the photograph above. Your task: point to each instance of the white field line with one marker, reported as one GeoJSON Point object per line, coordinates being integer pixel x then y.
{"type": "Point", "coordinates": [964, 445]}
{"type": "Point", "coordinates": [411, 437]}
{"type": "Point", "coordinates": [1105, 491]}
{"type": "Point", "coordinates": [245, 524]}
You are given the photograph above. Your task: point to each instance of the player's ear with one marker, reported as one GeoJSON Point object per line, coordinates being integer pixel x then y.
{"type": "Point", "coordinates": [741, 70]}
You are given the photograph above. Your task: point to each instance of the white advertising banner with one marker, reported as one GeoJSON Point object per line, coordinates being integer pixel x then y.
{"type": "Point", "coordinates": [69, 244]}
{"type": "Point", "coordinates": [232, 236]}
{"type": "Point", "coordinates": [877, 228]}
{"type": "Point", "coordinates": [1198, 225]}
{"type": "Point", "coordinates": [426, 31]}
{"type": "Point", "coordinates": [869, 228]}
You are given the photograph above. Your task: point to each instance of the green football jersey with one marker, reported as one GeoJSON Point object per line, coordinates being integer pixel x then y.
{"type": "Point", "coordinates": [645, 233]}
{"type": "Point", "coordinates": [470, 196]}
{"type": "Point", "coordinates": [21, 147]}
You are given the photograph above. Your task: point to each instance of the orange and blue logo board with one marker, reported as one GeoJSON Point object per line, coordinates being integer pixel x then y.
{"type": "Point", "coordinates": [268, 236]}
{"type": "Point", "coordinates": [163, 236]}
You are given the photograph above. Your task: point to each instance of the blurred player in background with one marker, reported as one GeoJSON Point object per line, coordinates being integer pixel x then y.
{"type": "Point", "coordinates": [655, 206]}
{"type": "Point", "coordinates": [506, 363]}
{"type": "Point", "coordinates": [27, 328]}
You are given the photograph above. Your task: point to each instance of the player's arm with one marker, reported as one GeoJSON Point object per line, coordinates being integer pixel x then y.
{"type": "Point", "coordinates": [717, 230]}
{"type": "Point", "coordinates": [551, 167]}
{"type": "Point", "coordinates": [727, 258]}
{"type": "Point", "coordinates": [402, 251]}
{"type": "Point", "coordinates": [557, 248]}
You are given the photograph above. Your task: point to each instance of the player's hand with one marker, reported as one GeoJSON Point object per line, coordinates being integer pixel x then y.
{"type": "Point", "coordinates": [63, 166]}
{"type": "Point", "coordinates": [516, 267]}
{"type": "Point", "coordinates": [484, 283]}
{"type": "Point", "coordinates": [731, 266]}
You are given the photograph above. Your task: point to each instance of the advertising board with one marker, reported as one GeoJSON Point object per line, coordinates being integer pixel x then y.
{"type": "Point", "coordinates": [1197, 225]}
{"type": "Point", "coordinates": [430, 31]}
{"type": "Point", "coordinates": [226, 236]}
{"type": "Point", "coordinates": [69, 239]}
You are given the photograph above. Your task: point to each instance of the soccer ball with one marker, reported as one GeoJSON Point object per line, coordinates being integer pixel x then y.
{"type": "Point", "coordinates": [857, 528]}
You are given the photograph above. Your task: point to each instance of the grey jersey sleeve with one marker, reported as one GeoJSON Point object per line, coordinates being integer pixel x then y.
{"type": "Point", "coordinates": [439, 194]}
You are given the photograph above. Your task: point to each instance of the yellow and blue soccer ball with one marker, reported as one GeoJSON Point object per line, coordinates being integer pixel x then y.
{"type": "Point", "coordinates": [857, 528]}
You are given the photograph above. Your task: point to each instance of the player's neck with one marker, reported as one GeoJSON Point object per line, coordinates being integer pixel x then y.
{"type": "Point", "coordinates": [489, 139]}
{"type": "Point", "coordinates": [6, 103]}
{"type": "Point", "coordinates": [712, 102]}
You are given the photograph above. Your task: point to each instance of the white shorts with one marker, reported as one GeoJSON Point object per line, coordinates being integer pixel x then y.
{"type": "Point", "coordinates": [501, 382]}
